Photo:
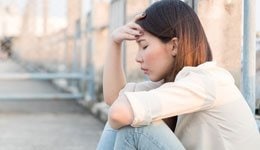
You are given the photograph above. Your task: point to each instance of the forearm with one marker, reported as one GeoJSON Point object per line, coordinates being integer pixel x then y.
{"type": "Point", "coordinates": [113, 75]}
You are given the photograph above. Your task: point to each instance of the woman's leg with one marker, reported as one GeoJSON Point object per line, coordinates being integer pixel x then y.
{"type": "Point", "coordinates": [157, 136]}
{"type": "Point", "coordinates": [107, 139]}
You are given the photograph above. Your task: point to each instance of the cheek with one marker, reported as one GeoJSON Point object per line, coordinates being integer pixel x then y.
{"type": "Point", "coordinates": [151, 56]}
{"type": "Point", "coordinates": [156, 56]}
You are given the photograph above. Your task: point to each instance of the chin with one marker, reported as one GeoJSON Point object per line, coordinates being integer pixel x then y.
{"type": "Point", "coordinates": [155, 79]}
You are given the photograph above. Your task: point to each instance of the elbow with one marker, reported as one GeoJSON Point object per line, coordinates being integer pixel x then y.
{"type": "Point", "coordinates": [120, 114]}
{"type": "Point", "coordinates": [114, 118]}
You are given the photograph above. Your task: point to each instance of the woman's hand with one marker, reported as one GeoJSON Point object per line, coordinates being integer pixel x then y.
{"type": "Point", "coordinates": [130, 31]}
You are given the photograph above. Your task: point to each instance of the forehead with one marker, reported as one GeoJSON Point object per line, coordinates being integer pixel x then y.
{"type": "Point", "coordinates": [145, 37]}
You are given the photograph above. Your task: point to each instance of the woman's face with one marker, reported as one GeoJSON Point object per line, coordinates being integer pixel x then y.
{"type": "Point", "coordinates": [154, 56]}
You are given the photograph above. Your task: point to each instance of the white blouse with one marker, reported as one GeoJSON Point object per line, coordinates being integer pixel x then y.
{"type": "Point", "coordinates": [212, 113]}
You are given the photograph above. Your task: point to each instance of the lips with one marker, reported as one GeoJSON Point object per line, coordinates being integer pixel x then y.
{"type": "Point", "coordinates": [144, 70]}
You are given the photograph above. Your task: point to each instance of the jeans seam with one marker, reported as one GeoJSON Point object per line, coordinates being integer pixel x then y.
{"type": "Point", "coordinates": [129, 137]}
{"type": "Point", "coordinates": [127, 140]}
{"type": "Point", "coordinates": [151, 140]}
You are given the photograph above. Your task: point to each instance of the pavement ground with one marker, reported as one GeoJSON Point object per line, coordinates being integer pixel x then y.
{"type": "Point", "coordinates": [37, 124]}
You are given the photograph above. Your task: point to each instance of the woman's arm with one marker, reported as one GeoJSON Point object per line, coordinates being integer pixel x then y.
{"type": "Point", "coordinates": [113, 75]}
{"type": "Point", "coordinates": [188, 95]}
{"type": "Point", "coordinates": [120, 113]}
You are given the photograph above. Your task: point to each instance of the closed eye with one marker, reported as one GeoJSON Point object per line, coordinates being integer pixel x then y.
{"type": "Point", "coordinates": [145, 47]}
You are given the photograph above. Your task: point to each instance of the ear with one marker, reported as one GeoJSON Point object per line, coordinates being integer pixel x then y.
{"type": "Point", "coordinates": [174, 46]}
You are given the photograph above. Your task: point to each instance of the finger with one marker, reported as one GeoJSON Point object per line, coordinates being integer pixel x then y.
{"type": "Point", "coordinates": [134, 25]}
{"type": "Point", "coordinates": [133, 31]}
{"type": "Point", "coordinates": [130, 36]}
{"type": "Point", "coordinates": [139, 16]}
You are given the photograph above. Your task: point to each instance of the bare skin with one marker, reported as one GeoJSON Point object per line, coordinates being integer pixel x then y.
{"type": "Point", "coordinates": [155, 59]}
{"type": "Point", "coordinates": [113, 76]}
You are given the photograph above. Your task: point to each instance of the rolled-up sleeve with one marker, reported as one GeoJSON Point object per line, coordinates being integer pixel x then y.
{"type": "Point", "coordinates": [193, 93]}
{"type": "Point", "coordinates": [142, 86]}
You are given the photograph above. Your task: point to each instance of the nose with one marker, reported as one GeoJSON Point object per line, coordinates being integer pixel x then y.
{"type": "Point", "coordinates": [138, 57]}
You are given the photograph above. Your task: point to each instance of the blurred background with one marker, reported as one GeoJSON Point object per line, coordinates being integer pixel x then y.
{"type": "Point", "coordinates": [70, 36]}
{"type": "Point", "coordinates": [54, 50]}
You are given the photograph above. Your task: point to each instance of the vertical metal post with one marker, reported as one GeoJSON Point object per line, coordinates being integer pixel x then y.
{"type": "Point", "coordinates": [76, 58]}
{"type": "Point", "coordinates": [195, 5]}
{"type": "Point", "coordinates": [152, 1]}
{"type": "Point", "coordinates": [249, 54]}
{"type": "Point", "coordinates": [117, 17]}
{"type": "Point", "coordinates": [90, 93]}
{"type": "Point", "coordinates": [123, 6]}
{"type": "Point", "coordinates": [66, 51]}
{"type": "Point", "coordinates": [192, 3]}
{"type": "Point", "coordinates": [77, 46]}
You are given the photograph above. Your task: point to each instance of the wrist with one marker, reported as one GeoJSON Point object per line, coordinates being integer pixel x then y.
{"type": "Point", "coordinates": [115, 39]}
{"type": "Point", "coordinates": [115, 44]}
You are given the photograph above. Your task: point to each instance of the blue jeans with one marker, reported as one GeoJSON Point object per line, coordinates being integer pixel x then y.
{"type": "Point", "coordinates": [156, 136]}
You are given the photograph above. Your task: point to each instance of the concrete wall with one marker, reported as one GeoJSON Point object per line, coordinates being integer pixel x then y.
{"type": "Point", "coordinates": [10, 22]}
{"type": "Point", "coordinates": [222, 20]}
{"type": "Point", "coordinates": [74, 14]}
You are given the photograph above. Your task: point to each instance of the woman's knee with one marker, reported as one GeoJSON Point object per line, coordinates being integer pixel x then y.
{"type": "Point", "coordinates": [107, 138]}
{"type": "Point", "coordinates": [157, 135]}
{"type": "Point", "coordinates": [156, 127]}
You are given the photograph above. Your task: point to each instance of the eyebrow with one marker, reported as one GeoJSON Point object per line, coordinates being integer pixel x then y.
{"type": "Point", "coordinates": [139, 41]}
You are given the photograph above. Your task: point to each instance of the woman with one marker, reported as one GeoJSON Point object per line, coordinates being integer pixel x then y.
{"type": "Point", "coordinates": [174, 53]}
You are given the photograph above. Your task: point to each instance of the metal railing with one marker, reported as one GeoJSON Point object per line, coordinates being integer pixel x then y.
{"type": "Point", "coordinates": [80, 80]}
{"type": "Point", "coordinates": [118, 18]}
{"type": "Point", "coordinates": [249, 54]}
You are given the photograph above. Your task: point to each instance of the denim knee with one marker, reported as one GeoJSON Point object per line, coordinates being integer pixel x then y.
{"type": "Point", "coordinates": [107, 139]}
{"type": "Point", "coordinates": [153, 137]}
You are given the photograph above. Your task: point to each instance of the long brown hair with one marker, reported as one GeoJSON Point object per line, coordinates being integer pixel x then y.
{"type": "Point", "coordinates": [167, 19]}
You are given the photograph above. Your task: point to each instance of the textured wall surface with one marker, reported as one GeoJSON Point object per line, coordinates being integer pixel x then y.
{"type": "Point", "coordinates": [222, 20]}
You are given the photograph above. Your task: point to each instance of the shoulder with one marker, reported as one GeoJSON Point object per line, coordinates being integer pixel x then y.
{"type": "Point", "coordinates": [206, 79]}
{"type": "Point", "coordinates": [147, 85]}
{"type": "Point", "coordinates": [208, 71]}
{"type": "Point", "coordinates": [141, 86]}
